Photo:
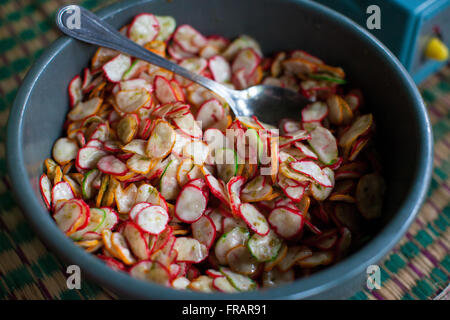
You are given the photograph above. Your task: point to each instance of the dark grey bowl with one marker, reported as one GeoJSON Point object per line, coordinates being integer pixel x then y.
{"type": "Point", "coordinates": [403, 127]}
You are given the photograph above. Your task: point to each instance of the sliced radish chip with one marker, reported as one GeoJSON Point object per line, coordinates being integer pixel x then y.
{"type": "Point", "coordinates": [313, 171]}
{"type": "Point", "coordinates": [209, 113]}
{"type": "Point", "coordinates": [67, 214]}
{"type": "Point", "coordinates": [320, 192]}
{"type": "Point", "coordinates": [85, 109]}
{"type": "Point", "coordinates": [254, 219]}
{"type": "Point", "coordinates": [324, 145]}
{"type": "Point", "coordinates": [197, 150]}
{"type": "Point", "coordinates": [275, 277]}
{"type": "Point", "coordinates": [190, 250]}
{"type": "Point", "coordinates": [292, 189]}
{"type": "Point", "coordinates": [116, 67]}
{"type": "Point", "coordinates": [168, 184]}
{"type": "Point", "coordinates": [204, 231]}
{"type": "Point", "coordinates": [152, 219]}
{"type": "Point", "coordinates": [234, 187]}
{"type": "Point", "coordinates": [140, 164]}
{"type": "Point", "coordinates": [177, 52]}
{"type": "Point", "coordinates": [293, 137]}
{"type": "Point", "coordinates": [240, 43]}
{"type": "Point", "coordinates": [247, 59]}
{"type": "Point", "coordinates": [264, 248]}
{"type": "Point", "coordinates": [229, 223]}
{"type": "Point", "coordinates": [45, 186]}
{"type": "Point", "coordinates": [317, 259]}
{"type": "Point", "coordinates": [129, 101]}
{"type": "Point", "coordinates": [61, 191]}
{"type": "Point", "coordinates": [125, 199]}
{"type": "Point", "coordinates": [136, 146]}
{"type": "Point", "coordinates": [293, 255]}
{"type": "Point", "coordinates": [223, 285]}
{"type": "Point", "coordinates": [180, 283]}
{"type": "Point", "coordinates": [195, 65]}
{"type": "Point", "coordinates": [307, 152]}
{"type": "Point", "coordinates": [151, 271]}
{"type": "Point", "coordinates": [286, 221]}
{"type": "Point", "coordinates": [288, 126]}
{"type": "Point", "coordinates": [127, 128]}
{"type": "Point", "coordinates": [136, 84]}
{"type": "Point", "coordinates": [148, 193]}
{"type": "Point", "coordinates": [161, 140]}
{"type": "Point", "coordinates": [167, 26]}
{"type": "Point", "coordinates": [226, 160]}
{"type": "Point", "coordinates": [359, 127]}
{"type": "Point", "coordinates": [111, 165]}
{"type": "Point", "coordinates": [217, 188]}
{"type": "Point", "coordinates": [241, 261]}
{"type": "Point", "coordinates": [316, 111]}
{"type": "Point", "coordinates": [257, 195]}
{"type": "Point", "coordinates": [144, 28]}
{"type": "Point", "coordinates": [202, 284]}
{"type": "Point", "coordinates": [75, 93]}
{"type": "Point", "coordinates": [188, 126]}
{"type": "Point", "coordinates": [220, 69]}
{"type": "Point", "coordinates": [96, 220]}
{"type": "Point", "coordinates": [189, 39]}
{"type": "Point", "coordinates": [240, 282]}
{"type": "Point", "coordinates": [136, 240]}
{"type": "Point", "coordinates": [164, 91]}
{"type": "Point", "coordinates": [369, 195]}
{"type": "Point", "coordinates": [229, 240]}
{"type": "Point", "coordinates": [191, 204]}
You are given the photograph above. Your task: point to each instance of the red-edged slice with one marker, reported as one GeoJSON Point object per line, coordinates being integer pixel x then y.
{"type": "Point", "coordinates": [254, 219]}
{"type": "Point", "coordinates": [116, 67]}
{"type": "Point", "coordinates": [310, 169]}
{"type": "Point", "coordinates": [61, 191]}
{"type": "Point", "coordinates": [210, 112]}
{"type": "Point", "coordinates": [152, 219]}
{"type": "Point", "coordinates": [188, 126]}
{"type": "Point", "coordinates": [191, 204]}
{"type": "Point", "coordinates": [67, 214]}
{"type": "Point", "coordinates": [144, 28]}
{"type": "Point", "coordinates": [247, 59]}
{"type": "Point", "coordinates": [189, 39]}
{"type": "Point", "coordinates": [190, 250]}
{"type": "Point", "coordinates": [313, 112]}
{"type": "Point", "coordinates": [75, 93]}
{"type": "Point", "coordinates": [151, 271]}
{"type": "Point", "coordinates": [163, 90]}
{"type": "Point", "coordinates": [136, 240]}
{"type": "Point", "coordinates": [286, 221]}
{"type": "Point", "coordinates": [234, 187]}
{"type": "Point", "coordinates": [111, 165]}
{"type": "Point", "coordinates": [204, 230]}
{"type": "Point", "coordinates": [138, 207]}
{"type": "Point", "coordinates": [220, 69]}
{"type": "Point", "coordinates": [217, 189]}
{"type": "Point", "coordinates": [46, 190]}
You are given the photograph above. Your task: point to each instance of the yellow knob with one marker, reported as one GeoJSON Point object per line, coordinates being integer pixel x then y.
{"type": "Point", "coordinates": [436, 50]}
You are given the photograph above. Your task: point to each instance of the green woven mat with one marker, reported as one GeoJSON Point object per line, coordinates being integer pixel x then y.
{"type": "Point", "coordinates": [418, 268]}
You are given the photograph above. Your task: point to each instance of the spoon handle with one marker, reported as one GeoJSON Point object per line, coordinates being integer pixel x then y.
{"type": "Point", "coordinates": [92, 29]}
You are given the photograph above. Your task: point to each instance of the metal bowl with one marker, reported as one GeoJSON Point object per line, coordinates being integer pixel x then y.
{"type": "Point", "coordinates": [403, 129]}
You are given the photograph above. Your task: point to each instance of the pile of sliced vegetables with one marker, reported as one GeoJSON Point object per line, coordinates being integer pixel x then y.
{"type": "Point", "coordinates": [148, 178]}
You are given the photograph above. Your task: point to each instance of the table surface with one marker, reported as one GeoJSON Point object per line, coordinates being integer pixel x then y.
{"type": "Point", "coordinates": [418, 267]}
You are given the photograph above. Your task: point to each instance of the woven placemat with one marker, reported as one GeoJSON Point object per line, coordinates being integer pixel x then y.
{"type": "Point", "coordinates": [418, 268]}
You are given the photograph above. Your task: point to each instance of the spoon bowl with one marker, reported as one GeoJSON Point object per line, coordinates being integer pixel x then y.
{"type": "Point", "coordinates": [268, 103]}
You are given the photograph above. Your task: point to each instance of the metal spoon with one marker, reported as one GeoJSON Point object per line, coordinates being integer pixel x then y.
{"type": "Point", "coordinates": [268, 103]}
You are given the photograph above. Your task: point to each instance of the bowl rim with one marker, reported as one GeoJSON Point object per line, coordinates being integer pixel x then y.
{"type": "Point", "coordinates": [124, 284]}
